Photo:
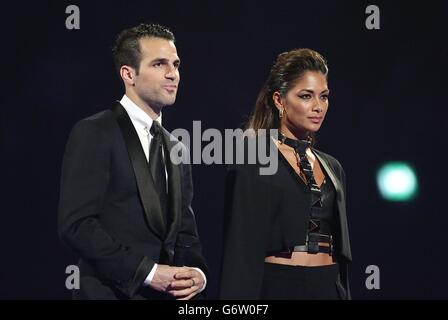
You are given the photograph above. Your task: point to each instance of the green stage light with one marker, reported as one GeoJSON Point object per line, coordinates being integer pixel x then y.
{"type": "Point", "coordinates": [397, 181]}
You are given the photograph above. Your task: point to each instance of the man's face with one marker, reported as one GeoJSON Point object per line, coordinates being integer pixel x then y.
{"type": "Point", "coordinates": [158, 75]}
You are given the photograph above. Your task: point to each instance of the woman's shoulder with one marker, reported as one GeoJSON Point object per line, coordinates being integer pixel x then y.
{"type": "Point", "coordinates": [330, 159]}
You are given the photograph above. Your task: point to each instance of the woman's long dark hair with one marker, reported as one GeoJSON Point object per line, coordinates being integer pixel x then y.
{"type": "Point", "coordinates": [286, 72]}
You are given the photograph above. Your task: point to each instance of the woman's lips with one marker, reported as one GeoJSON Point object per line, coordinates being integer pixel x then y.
{"type": "Point", "coordinates": [316, 119]}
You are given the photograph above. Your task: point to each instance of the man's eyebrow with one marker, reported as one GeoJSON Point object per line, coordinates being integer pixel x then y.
{"type": "Point", "coordinates": [159, 60]}
{"type": "Point", "coordinates": [165, 60]}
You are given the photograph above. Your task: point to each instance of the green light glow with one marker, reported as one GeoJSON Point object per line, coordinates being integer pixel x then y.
{"type": "Point", "coordinates": [397, 181]}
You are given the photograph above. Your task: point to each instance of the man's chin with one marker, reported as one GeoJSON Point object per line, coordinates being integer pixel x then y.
{"type": "Point", "coordinates": [169, 102]}
{"type": "Point", "coordinates": [163, 102]}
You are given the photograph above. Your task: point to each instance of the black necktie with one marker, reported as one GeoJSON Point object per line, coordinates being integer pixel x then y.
{"type": "Point", "coordinates": [157, 167]}
{"type": "Point", "coordinates": [300, 147]}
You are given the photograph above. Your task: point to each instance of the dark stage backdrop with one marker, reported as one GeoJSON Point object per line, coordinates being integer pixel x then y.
{"type": "Point", "coordinates": [388, 102]}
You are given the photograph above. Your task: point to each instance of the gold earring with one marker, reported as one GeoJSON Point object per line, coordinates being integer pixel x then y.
{"type": "Point", "coordinates": [280, 113]}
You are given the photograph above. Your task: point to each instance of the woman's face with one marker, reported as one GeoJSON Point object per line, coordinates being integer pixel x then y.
{"type": "Point", "coordinates": [305, 105]}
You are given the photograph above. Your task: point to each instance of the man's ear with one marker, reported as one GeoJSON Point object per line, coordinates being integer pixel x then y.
{"type": "Point", "coordinates": [128, 74]}
{"type": "Point", "coordinates": [277, 98]}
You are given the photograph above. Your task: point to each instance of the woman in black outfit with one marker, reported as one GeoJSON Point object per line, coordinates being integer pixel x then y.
{"type": "Point", "coordinates": [286, 234]}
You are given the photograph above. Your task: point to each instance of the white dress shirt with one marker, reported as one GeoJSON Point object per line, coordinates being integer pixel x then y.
{"type": "Point", "coordinates": [142, 123]}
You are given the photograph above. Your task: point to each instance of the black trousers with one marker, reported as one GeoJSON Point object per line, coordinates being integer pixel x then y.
{"type": "Point", "coordinates": [284, 282]}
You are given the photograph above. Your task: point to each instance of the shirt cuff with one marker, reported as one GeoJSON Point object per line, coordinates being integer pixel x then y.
{"type": "Point", "coordinates": [148, 279]}
{"type": "Point", "coordinates": [203, 276]}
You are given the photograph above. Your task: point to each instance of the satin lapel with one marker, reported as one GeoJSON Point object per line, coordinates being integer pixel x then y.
{"type": "Point", "coordinates": [345, 242]}
{"type": "Point", "coordinates": [331, 175]}
{"type": "Point", "coordinates": [145, 183]}
{"type": "Point", "coordinates": [174, 184]}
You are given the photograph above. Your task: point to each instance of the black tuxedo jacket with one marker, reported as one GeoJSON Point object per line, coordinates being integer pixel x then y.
{"type": "Point", "coordinates": [267, 213]}
{"type": "Point", "coordinates": [109, 211]}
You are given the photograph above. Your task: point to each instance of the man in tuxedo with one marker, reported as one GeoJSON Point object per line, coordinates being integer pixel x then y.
{"type": "Point", "coordinates": [125, 206]}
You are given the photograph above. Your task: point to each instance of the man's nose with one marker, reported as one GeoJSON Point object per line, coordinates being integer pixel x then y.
{"type": "Point", "coordinates": [171, 73]}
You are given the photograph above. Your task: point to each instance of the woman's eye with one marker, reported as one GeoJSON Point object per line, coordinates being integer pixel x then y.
{"type": "Point", "coordinates": [324, 97]}
{"type": "Point", "coordinates": [305, 96]}
{"type": "Point", "coordinates": [158, 64]}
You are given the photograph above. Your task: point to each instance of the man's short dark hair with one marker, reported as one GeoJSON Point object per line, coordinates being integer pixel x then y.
{"type": "Point", "coordinates": [126, 50]}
